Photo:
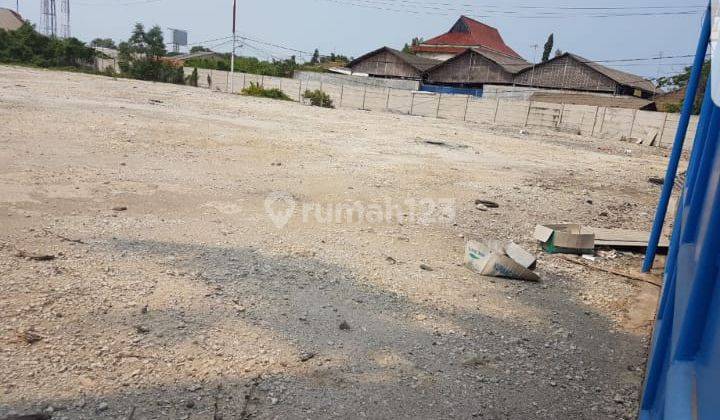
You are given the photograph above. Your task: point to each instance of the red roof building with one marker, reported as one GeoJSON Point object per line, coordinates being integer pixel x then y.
{"type": "Point", "coordinates": [465, 33]}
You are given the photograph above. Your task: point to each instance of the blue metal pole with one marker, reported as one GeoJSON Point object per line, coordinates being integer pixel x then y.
{"type": "Point", "coordinates": [701, 177]}
{"type": "Point", "coordinates": [687, 109]}
{"type": "Point", "coordinates": [701, 137]}
{"type": "Point", "coordinates": [699, 143]}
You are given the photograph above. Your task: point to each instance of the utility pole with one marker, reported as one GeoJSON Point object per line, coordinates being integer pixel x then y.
{"type": "Point", "coordinates": [532, 75]}
{"type": "Point", "coordinates": [657, 74]}
{"type": "Point", "coordinates": [232, 54]}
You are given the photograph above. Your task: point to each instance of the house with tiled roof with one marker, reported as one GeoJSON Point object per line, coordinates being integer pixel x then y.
{"type": "Point", "coordinates": [473, 57]}
{"type": "Point", "coordinates": [465, 33]}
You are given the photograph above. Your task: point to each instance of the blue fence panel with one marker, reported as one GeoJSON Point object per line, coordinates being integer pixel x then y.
{"type": "Point", "coordinates": [451, 90]}
{"type": "Point", "coordinates": [683, 373]}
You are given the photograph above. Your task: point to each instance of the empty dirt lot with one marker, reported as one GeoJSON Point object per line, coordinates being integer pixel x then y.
{"type": "Point", "coordinates": [173, 293]}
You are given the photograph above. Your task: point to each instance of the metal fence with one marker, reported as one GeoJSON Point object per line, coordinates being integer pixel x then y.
{"type": "Point", "coordinates": [595, 121]}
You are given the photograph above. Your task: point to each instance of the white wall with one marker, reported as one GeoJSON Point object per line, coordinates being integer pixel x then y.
{"type": "Point", "coordinates": [602, 122]}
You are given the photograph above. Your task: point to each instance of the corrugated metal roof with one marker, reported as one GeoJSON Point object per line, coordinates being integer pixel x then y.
{"type": "Point", "coordinates": [10, 20]}
{"type": "Point", "coordinates": [621, 77]}
{"type": "Point", "coordinates": [468, 33]}
{"type": "Point", "coordinates": [418, 63]}
{"type": "Point", "coordinates": [509, 64]}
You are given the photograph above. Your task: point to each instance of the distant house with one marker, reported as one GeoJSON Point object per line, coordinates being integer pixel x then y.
{"type": "Point", "coordinates": [203, 55]}
{"type": "Point", "coordinates": [671, 101]}
{"type": "Point", "coordinates": [476, 67]}
{"type": "Point", "coordinates": [10, 20]}
{"type": "Point", "coordinates": [572, 72]}
{"type": "Point", "coordinates": [106, 59]}
{"type": "Point", "coordinates": [391, 63]}
{"type": "Point", "coordinates": [472, 58]}
{"type": "Point", "coordinates": [465, 33]}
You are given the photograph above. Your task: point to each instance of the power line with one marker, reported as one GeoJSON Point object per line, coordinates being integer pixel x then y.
{"type": "Point", "coordinates": [209, 40]}
{"type": "Point", "coordinates": [121, 3]}
{"type": "Point", "coordinates": [275, 45]}
{"type": "Point", "coordinates": [419, 8]}
{"type": "Point", "coordinates": [509, 7]}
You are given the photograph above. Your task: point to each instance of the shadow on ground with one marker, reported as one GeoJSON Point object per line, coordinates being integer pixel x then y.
{"type": "Point", "coordinates": [232, 344]}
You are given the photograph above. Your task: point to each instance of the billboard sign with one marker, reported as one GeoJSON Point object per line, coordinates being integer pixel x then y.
{"type": "Point", "coordinates": [179, 37]}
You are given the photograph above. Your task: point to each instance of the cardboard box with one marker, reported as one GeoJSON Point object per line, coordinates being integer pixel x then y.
{"type": "Point", "coordinates": [565, 239]}
{"type": "Point", "coordinates": [490, 258]}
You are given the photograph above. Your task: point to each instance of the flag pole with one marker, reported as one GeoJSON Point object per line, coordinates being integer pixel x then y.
{"type": "Point", "coordinates": [232, 54]}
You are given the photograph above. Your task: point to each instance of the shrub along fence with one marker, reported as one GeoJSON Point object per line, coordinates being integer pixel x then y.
{"type": "Point", "coordinates": [594, 121]}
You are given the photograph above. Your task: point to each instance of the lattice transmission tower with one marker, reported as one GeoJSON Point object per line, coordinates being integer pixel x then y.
{"type": "Point", "coordinates": [65, 18]}
{"type": "Point", "coordinates": [49, 21]}
{"type": "Point", "coordinates": [48, 17]}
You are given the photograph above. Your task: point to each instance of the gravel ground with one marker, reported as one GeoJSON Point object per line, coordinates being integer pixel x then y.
{"type": "Point", "coordinates": [173, 294]}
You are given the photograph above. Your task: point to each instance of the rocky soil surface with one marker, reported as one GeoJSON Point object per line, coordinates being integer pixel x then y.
{"type": "Point", "coordinates": [170, 252]}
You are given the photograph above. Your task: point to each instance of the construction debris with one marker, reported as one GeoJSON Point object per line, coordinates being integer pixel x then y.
{"type": "Point", "coordinates": [651, 138]}
{"type": "Point", "coordinates": [646, 278]}
{"type": "Point", "coordinates": [426, 267]}
{"type": "Point", "coordinates": [496, 259]}
{"type": "Point", "coordinates": [487, 203]}
{"type": "Point", "coordinates": [624, 238]}
{"type": "Point", "coordinates": [33, 256]}
{"type": "Point", "coordinates": [29, 336]}
{"type": "Point", "coordinates": [445, 144]}
{"type": "Point", "coordinates": [582, 240]}
{"type": "Point", "coordinates": [565, 239]}
{"type": "Point", "coordinates": [34, 416]}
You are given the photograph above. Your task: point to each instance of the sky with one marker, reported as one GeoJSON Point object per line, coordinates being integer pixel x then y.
{"type": "Point", "coordinates": [644, 29]}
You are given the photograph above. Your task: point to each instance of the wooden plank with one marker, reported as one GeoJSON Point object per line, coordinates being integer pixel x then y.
{"type": "Point", "coordinates": [647, 278]}
{"type": "Point", "coordinates": [623, 237]}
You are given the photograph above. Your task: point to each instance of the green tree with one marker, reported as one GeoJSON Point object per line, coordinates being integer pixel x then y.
{"type": "Point", "coordinates": [199, 48]}
{"type": "Point", "coordinates": [155, 42]}
{"type": "Point", "coordinates": [137, 41]}
{"type": "Point", "coordinates": [680, 81]}
{"type": "Point", "coordinates": [334, 58]}
{"type": "Point", "coordinates": [413, 43]}
{"type": "Point", "coordinates": [125, 55]}
{"type": "Point", "coordinates": [25, 45]}
{"type": "Point", "coordinates": [103, 43]}
{"type": "Point", "coordinates": [547, 50]}
{"type": "Point", "coordinates": [140, 57]}
{"type": "Point", "coordinates": [192, 80]}
{"type": "Point", "coordinates": [315, 57]}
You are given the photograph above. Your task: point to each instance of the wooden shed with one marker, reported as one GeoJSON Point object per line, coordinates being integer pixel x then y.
{"type": "Point", "coordinates": [388, 62]}
{"type": "Point", "coordinates": [476, 67]}
{"type": "Point", "coordinates": [572, 72]}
